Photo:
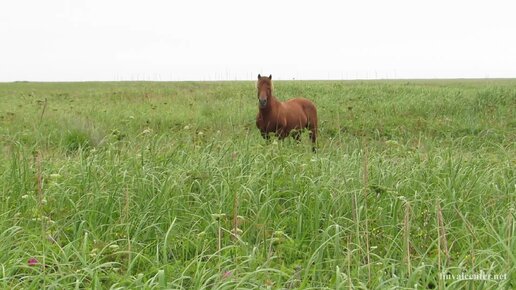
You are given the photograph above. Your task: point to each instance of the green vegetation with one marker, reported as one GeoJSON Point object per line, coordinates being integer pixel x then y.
{"type": "Point", "coordinates": [169, 185]}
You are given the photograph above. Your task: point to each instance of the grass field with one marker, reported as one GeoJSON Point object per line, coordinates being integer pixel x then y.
{"type": "Point", "coordinates": [169, 185]}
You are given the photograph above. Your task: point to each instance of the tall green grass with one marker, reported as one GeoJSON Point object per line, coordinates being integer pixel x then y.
{"type": "Point", "coordinates": [170, 186]}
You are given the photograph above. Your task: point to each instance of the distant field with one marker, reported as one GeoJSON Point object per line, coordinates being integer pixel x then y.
{"type": "Point", "coordinates": [170, 185]}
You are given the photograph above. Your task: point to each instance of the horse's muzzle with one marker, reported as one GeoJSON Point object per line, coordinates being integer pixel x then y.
{"type": "Point", "coordinates": [263, 103]}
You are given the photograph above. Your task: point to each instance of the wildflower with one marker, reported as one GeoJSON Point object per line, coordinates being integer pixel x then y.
{"type": "Point", "coordinates": [32, 262]}
{"type": "Point", "coordinates": [218, 216]}
{"type": "Point", "coordinates": [392, 142]}
{"type": "Point", "coordinates": [25, 196]}
{"type": "Point", "coordinates": [278, 233]}
{"type": "Point", "coordinates": [55, 175]}
{"type": "Point", "coordinates": [93, 253]}
{"type": "Point", "coordinates": [44, 201]}
{"type": "Point", "coordinates": [236, 232]}
{"type": "Point", "coordinates": [278, 237]}
{"type": "Point", "coordinates": [226, 274]}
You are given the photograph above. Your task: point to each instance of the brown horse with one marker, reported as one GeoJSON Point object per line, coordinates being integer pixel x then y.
{"type": "Point", "coordinates": [284, 118]}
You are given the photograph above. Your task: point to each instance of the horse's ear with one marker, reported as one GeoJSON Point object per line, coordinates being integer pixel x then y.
{"type": "Point", "coordinates": [270, 77]}
{"type": "Point", "coordinates": [259, 76]}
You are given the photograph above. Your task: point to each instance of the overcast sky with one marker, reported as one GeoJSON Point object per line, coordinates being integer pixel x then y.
{"type": "Point", "coordinates": [105, 40]}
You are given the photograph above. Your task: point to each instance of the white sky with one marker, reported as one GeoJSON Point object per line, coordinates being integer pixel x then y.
{"type": "Point", "coordinates": [75, 40]}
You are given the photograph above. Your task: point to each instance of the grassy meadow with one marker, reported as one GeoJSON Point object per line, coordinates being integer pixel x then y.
{"type": "Point", "coordinates": [157, 185]}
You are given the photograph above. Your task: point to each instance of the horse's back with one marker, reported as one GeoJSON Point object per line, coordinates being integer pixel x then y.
{"type": "Point", "coordinates": [307, 106]}
{"type": "Point", "coordinates": [303, 101]}
{"type": "Point", "coordinates": [300, 103]}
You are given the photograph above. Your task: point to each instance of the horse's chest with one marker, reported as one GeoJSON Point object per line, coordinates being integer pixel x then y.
{"type": "Point", "coordinates": [269, 124]}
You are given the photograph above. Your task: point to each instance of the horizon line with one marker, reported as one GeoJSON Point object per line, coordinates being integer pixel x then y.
{"type": "Point", "coordinates": [247, 80]}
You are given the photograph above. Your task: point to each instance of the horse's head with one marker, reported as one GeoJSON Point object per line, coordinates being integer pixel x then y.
{"type": "Point", "coordinates": [264, 86]}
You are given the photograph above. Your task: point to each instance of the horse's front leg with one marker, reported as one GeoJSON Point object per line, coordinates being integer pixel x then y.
{"type": "Point", "coordinates": [282, 133]}
{"type": "Point", "coordinates": [296, 134]}
{"type": "Point", "coordinates": [266, 136]}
